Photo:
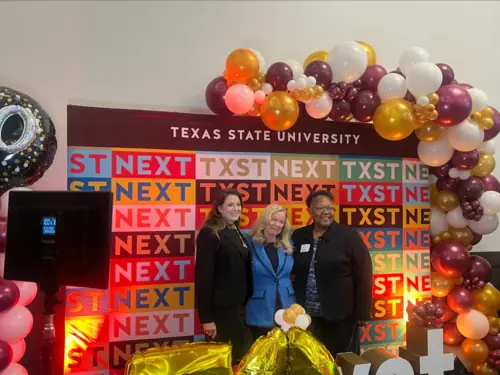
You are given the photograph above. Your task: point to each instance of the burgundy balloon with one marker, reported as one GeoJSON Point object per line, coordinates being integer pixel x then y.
{"type": "Point", "coordinates": [364, 105]}
{"type": "Point", "coordinates": [409, 97]}
{"type": "Point", "coordinates": [442, 170]}
{"type": "Point", "coordinates": [451, 334]}
{"type": "Point", "coordinates": [278, 75]}
{"type": "Point", "coordinates": [479, 269]}
{"type": "Point", "coordinates": [341, 110]}
{"type": "Point", "coordinates": [492, 132]}
{"type": "Point", "coordinates": [490, 183]}
{"type": "Point", "coordinates": [441, 303]}
{"type": "Point", "coordinates": [466, 86]}
{"type": "Point", "coordinates": [9, 294]}
{"type": "Point", "coordinates": [470, 189]}
{"type": "Point", "coordinates": [447, 183]}
{"type": "Point", "coordinates": [465, 159]}
{"type": "Point", "coordinates": [448, 74]}
{"type": "Point", "coordinates": [372, 76]}
{"type": "Point", "coordinates": [476, 238]}
{"type": "Point", "coordinates": [454, 105]}
{"type": "Point", "coordinates": [321, 71]}
{"type": "Point", "coordinates": [472, 210]}
{"type": "Point", "coordinates": [6, 355]}
{"type": "Point", "coordinates": [214, 97]}
{"type": "Point", "coordinates": [460, 300]}
{"type": "Point", "coordinates": [493, 341]}
{"type": "Point", "coordinates": [450, 258]}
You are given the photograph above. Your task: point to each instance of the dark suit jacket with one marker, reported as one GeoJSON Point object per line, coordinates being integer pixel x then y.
{"type": "Point", "coordinates": [222, 272]}
{"type": "Point", "coordinates": [344, 274]}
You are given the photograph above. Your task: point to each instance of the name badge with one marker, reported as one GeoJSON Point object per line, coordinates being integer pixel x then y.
{"type": "Point", "coordinates": [305, 248]}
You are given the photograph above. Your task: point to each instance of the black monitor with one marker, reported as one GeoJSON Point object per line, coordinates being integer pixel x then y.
{"type": "Point", "coordinates": [59, 237]}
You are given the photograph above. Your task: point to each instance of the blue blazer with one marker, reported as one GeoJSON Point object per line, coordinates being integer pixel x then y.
{"type": "Point", "coordinates": [268, 286]}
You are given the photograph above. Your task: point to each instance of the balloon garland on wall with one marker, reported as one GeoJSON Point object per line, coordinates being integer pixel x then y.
{"type": "Point", "coordinates": [455, 126]}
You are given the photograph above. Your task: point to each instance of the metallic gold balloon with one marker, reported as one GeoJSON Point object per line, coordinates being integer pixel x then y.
{"type": "Point", "coordinates": [299, 310]}
{"type": "Point", "coordinates": [462, 235]}
{"type": "Point", "coordinates": [394, 120]}
{"type": "Point", "coordinates": [494, 324]}
{"type": "Point", "coordinates": [486, 123]}
{"type": "Point", "coordinates": [307, 355]}
{"type": "Point", "coordinates": [268, 355]}
{"type": "Point", "coordinates": [316, 55]}
{"type": "Point", "coordinates": [447, 200]}
{"type": "Point", "coordinates": [307, 94]}
{"type": "Point", "coordinates": [475, 351]}
{"type": "Point", "coordinates": [193, 358]}
{"type": "Point", "coordinates": [485, 165]}
{"type": "Point", "coordinates": [261, 77]}
{"type": "Point", "coordinates": [370, 51]}
{"type": "Point", "coordinates": [254, 84]}
{"type": "Point", "coordinates": [433, 194]}
{"type": "Point", "coordinates": [289, 316]}
{"type": "Point", "coordinates": [486, 300]}
{"type": "Point", "coordinates": [441, 286]}
{"type": "Point", "coordinates": [255, 111]}
{"type": "Point", "coordinates": [279, 111]}
{"type": "Point", "coordinates": [430, 132]}
{"type": "Point", "coordinates": [317, 91]}
{"type": "Point", "coordinates": [483, 369]}
{"type": "Point", "coordinates": [433, 98]}
{"type": "Point", "coordinates": [242, 65]}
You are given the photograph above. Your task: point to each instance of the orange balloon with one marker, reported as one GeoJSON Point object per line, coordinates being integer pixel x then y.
{"type": "Point", "coordinates": [279, 111]}
{"type": "Point", "coordinates": [475, 351]}
{"type": "Point", "coordinates": [242, 65]}
{"type": "Point", "coordinates": [289, 316]}
{"type": "Point", "coordinates": [441, 286]}
{"type": "Point", "coordinates": [299, 310]}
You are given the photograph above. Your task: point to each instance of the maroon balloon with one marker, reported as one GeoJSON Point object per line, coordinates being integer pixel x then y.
{"type": "Point", "coordinates": [492, 132]}
{"type": "Point", "coordinates": [448, 74]}
{"type": "Point", "coordinates": [465, 159]}
{"type": "Point", "coordinates": [9, 294]}
{"type": "Point", "coordinates": [6, 355]}
{"type": "Point", "coordinates": [321, 71]}
{"type": "Point", "coordinates": [479, 269]}
{"type": "Point", "coordinates": [454, 105]}
{"type": "Point", "coordinates": [466, 86]}
{"type": "Point", "coordinates": [476, 238]}
{"type": "Point", "coordinates": [409, 97]}
{"type": "Point", "coordinates": [442, 170]}
{"type": "Point", "coordinates": [451, 334]}
{"type": "Point", "coordinates": [442, 304]}
{"type": "Point", "coordinates": [450, 258]}
{"type": "Point", "coordinates": [490, 183]}
{"type": "Point", "coordinates": [214, 97]}
{"type": "Point", "coordinates": [278, 75]}
{"type": "Point", "coordinates": [341, 109]}
{"type": "Point", "coordinates": [372, 76]}
{"type": "Point", "coordinates": [447, 183]}
{"type": "Point", "coordinates": [460, 300]}
{"type": "Point", "coordinates": [364, 105]}
{"type": "Point", "coordinates": [493, 341]}
{"type": "Point", "coordinates": [470, 189]}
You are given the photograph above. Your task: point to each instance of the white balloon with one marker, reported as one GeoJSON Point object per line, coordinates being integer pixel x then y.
{"type": "Point", "coordinates": [262, 62]}
{"type": "Point", "coordinates": [15, 369]}
{"type": "Point", "coordinates": [239, 99]}
{"type": "Point", "coordinates": [278, 317]}
{"type": "Point", "coordinates": [424, 78]}
{"type": "Point", "coordinates": [422, 100]}
{"type": "Point", "coordinates": [321, 107]}
{"type": "Point", "coordinates": [454, 172]}
{"type": "Point", "coordinates": [392, 86]}
{"type": "Point", "coordinates": [15, 323]}
{"type": "Point", "coordinates": [465, 136]}
{"type": "Point", "coordinates": [302, 322]}
{"type": "Point", "coordinates": [464, 174]}
{"type": "Point", "coordinates": [348, 61]}
{"type": "Point", "coordinates": [295, 66]}
{"type": "Point", "coordinates": [260, 96]}
{"type": "Point", "coordinates": [479, 99]}
{"type": "Point", "coordinates": [456, 219]}
{"type": "Point", "coordinates": [488, 146]}
{"type": "Point", "coordinates": [473, 324]}
{"type": "Point", "coordinates": [19, 348]}
{"type": "Point", "coordinates": [4, 201]}
{"type": "Point", "coordinates": [435, 153]}
{"type": "Point", "coordinates": [410, 57]}
{"type": "Point", "coordinates": [438, 221]}
{"type": "Point", "coordinates": [486, 225]}
{"type": "Point", "coordinates": [432, 179]}
{"type": "Point", "coordinates": [27, 290]}
{"type": "Point", "coordinates": [267, 88]}
{"type": "Point", "coordinates": [490, 200]}
{"type": "Point", "coordinates": [300, 84]}
{"type": "Point", "coordinates": [310, 81]}
{"type": "Point", "coordinates": [285, 327]}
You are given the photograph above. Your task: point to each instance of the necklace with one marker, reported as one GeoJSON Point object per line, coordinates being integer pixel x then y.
{"type": "Point", "coordinates": [233, 227]}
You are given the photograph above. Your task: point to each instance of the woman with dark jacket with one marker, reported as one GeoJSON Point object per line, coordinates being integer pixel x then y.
{"type": "Point", "coordinates": [223, 280]}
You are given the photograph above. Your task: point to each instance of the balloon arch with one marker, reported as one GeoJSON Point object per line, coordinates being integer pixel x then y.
{"type": "Point", "coordinates": [455, 125]}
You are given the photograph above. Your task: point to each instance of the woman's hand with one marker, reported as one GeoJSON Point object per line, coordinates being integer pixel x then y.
{"type": "Point", "coordinates": [210, 329]}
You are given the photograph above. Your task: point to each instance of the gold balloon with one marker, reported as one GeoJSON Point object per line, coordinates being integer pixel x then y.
{"type": "Point", "coordinates": [279, 111]}
{"type": "Point", "coordinates": [487, 300]}
{"type": "Point", "coordinates": [475, 351]}
{"type": "Point", "coordinates": [268, 355]}
{"type": "Point", "coordinates": [486, 123]}
{"type": "Point", "coordinates": [242, 65]}
{"type": "Point", "coordinates": [458, 280]}
{"type": "Point", "coordinates": [299, 310]}
{"type": "Point", "coordinates": [462, 235]}
{"type": "Point", "coordinates": [441, 286]}
{"type": "Point", "coordinates": [317, 91]}
{"type": "Point", "coordinates": [483, 369]}
{"type": "Point", "coordinates": [394, 120]}
{"type": "Point", "coordinates": [485, 165]}
{"type": "Point", "coordinates": [255, 111]}
{"type": "Point", "coordinates": [261, 77]}
{"type": "Point", "coordinates": [447, 200]}
{"type": "Point", "coordinates": [254, 84]}
{"type": "Point", "coordinates": [192, 358]}
{"type": "Point", "coordinates": [307, 355]}
{"type": "Point", "coordinates": [289, 316]}
{"type": "Point", "coordinates": [307, 94]}
{"type": "Point", "coordinates": [370, 51]}
{"type": "Point", "coordinates": [433, 98]}
{"type": "Point", "coordinates": [316, 55]}
{"type": "Point", "coordinates": [430, 132]}
{"type": "Point", "coordinates": [433, 194]}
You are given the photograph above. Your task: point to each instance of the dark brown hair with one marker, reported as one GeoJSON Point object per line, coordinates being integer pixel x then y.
{"type": "Point", "coordinates": [214, 219]}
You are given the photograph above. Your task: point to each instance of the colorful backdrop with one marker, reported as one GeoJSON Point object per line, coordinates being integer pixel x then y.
{"type": "Point", "coordinates": [165, 170]}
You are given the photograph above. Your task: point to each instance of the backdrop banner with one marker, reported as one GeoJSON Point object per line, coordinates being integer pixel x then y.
{"type": "Point", "coordinates": [165, 170]}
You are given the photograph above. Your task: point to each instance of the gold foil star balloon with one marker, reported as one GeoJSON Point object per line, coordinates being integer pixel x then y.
{"type": "Point", "coordinates": [268, 355]}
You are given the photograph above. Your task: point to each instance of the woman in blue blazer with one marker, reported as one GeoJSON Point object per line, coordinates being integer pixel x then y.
{"type": "Point", "coordinates": [272, 262]}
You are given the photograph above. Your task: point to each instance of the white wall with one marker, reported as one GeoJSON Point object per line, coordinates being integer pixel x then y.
{"type": "Point", "coordinates": [161, 55]}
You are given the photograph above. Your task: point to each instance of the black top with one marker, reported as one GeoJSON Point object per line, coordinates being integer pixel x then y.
{"type": "Point", "coordinates": [343, 271]}
{"type": "Point", "coordinates": [272, 254]}
{"type": "Point", "coordinates": [222, 271]}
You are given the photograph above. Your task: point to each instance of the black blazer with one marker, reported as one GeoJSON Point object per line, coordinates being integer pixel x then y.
{"type": "Point", "coordinates": [222, 272]}
{"type": "Point", "coordinates": [344, 273]}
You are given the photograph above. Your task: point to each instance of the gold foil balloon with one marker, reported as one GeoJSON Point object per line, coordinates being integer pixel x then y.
{"type": "Point", "coordinates": [370, 51]}
{"type": "Point", "coordinates": [441, 286]}
{"type": "Point", "coordinates": [268, 355]}
{"type": "Point", "coordinates": [430, 132]}
{"type": "Point", "coordinates": [485, 165]}
{"type": "Point", "coordinates": [394, 120]}
{"type": "Point", "coordinates": [475, 351]}
{"type": "Point", "coordinates": [242, 65]}
{"type": "Point", "coordinates": [487, 300]}
{"type": "Point", "coordinates": [316, 55]}
{"type": "Point", "coordinates": [279, 111]}
{"type": "Point", "coordinates": [447, 200]}
{"type": "Point", "coordinates": [462, 235]}
{"type": "Point", "coordinates": [307, 355]}
{"type": "Point", "coordinates": [483, 369]}
{"type": "Point", "coordinates": [193, 358]}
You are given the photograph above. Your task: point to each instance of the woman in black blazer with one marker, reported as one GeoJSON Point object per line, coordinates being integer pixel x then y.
{"type": "Point", "coordinates": [223, 273]}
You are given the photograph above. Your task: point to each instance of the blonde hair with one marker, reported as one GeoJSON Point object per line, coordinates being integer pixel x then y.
{"type": "Point", "coordinates": [282, 239]}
